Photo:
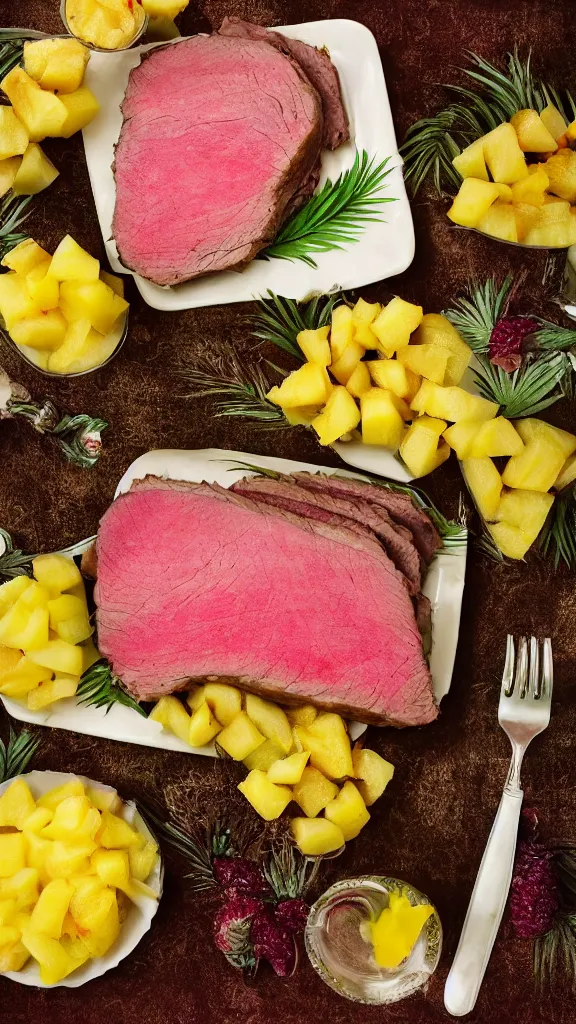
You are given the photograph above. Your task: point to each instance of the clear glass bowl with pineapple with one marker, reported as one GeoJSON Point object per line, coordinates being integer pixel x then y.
{"type": "Point", "coordinates": [62, 313]}
{"type": "Point", "coordinates": [105, 25]}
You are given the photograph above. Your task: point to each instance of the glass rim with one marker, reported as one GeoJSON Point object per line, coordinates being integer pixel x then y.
{"type": "Point", "coordinates": [78, 373]}
{"type": "Point", "coordinates": [103, 49]}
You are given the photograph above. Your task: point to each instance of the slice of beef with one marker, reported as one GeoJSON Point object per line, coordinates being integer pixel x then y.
{"type": "Point", "coordinates": [400, 507]}
{"type": "Point", "coordinates": [317, 66]}
{"type": "Point", "coordinates": [218, 136]}
{"type": "Point", "coordinates": [197, 581]}
{"type": "Point", "coordinates": [287, 494]}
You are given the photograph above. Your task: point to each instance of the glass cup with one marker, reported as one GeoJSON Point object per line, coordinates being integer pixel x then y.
{"type": "Point", "coordinates": [103, 49]}
{"type": "Point", "coordinates": [33, 356]}
{"type": "Point", "coordinates": [344, 958]}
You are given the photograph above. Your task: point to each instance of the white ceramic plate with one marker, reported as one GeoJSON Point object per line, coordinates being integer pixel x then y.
{"type": "Point", "coordinates": [139, 915]}
{"type": "Point", "coordinates": [444, 586]}
{"type": "Point", "coordinates": [385, 248]}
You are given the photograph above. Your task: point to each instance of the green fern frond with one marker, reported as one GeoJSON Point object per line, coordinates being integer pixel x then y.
{"type": "Point", "coordinates": [476, 314]}
{"type": "Point", "coordinates": [530, 389]}
{"type": "Point", "coordinates": [238, 390]}
{"type": "Point", "coordinates": [13, 212]}
{"type": "Point", "coordinates": [100, 688]}
{"type": "Point", "coordinates": [13, 561]}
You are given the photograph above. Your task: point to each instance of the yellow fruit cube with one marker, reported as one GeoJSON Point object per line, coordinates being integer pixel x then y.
{"type": "Point", "coordinates": [533, 135]}
{"type": "Point", "coordinates": [57, 64]}
{"type": "Point", "coordinates": [77, 346]}
{"type": "Point", "coordinates": [195, 697]}
{"type": "Point", "coordinates": [173, 715]}
{"type": "Point", "coordinates": [203, 726]}
{"type": "Point", "coordinates": [561, 171]}
{"type": "Point", "coordinates": [436, 330]}
{"type": "Point", "coordinates": [15, 302]}
{"type": "Point", "coordinates": [315, 345]}
{"type": "Point", "coordinates": [65, 859]}
{"type": "Point", "coordinates": [143, 861]}
{"type": "Point", "coordinates": [9, 659]}
{"type": "Point", "coordinates": [263, 756]}
{"type": "Point", "coordinates": [59, 656]}
{"type": "Point", "coordinates": [382, 424]}
{"type": "Point", "coordinates": [35, 596]}
{"type": "Point", "coordinates": [552, 120]}
{"type": "Point", "coordinates": [241, 737]}
{"type": "Point", "coordinates": [363, 334]}
{"type": "Point", "coordinates": [53, 797]}
{"type": "Point", "coordinates": [43, 289]}
{"type": "Point", "coordinates": [316, 837]}
{"type": "Point", "coordinates": [536, 468]}
{"type": "Point", "coordinates": [365, 312]}
{"type": "Point", "coordinates": [224, 700]}
{"type": "Point", "coordinates": [338, 417]}
{"type": "Point", "coordinates": [267, 799]}
{"type": "Point", "coordinates": [25, 629]}
{"type": "Point", "coordinates": [329, 745]}
{"type": "Point", "coordinates": [13, 957]}
{"type": "Point", "coordinates": [115, 833]}
{"type": "Point", "coordinates": [113, 282]}
{"type": "Point", "coordinates": [81, 108]}
{"type": "Point", "coordinates": [161, 29]}
{"type": "Point", "coordinates": [12, 853]}
{"type": "Point", "coordinates": [45, 331]}
{"type": "Point", "coordinates": [496, 438]}
{"type": "Point", "coordinates": [22, 887]}
{"type": "Point", "coordinates": [36, 821]}
{"type": "Point", "coordinates": [93, 301]}
{"type": "Point", "coordinates": [313, 792]}
{"type": "Point", "coordinates": [461, 436]}
{"type": "Point", "coordinates": [348, 811]}
{"type": "Point", "coordinates": [566, 476]}
{"type": "Point", "coordinates": [55, 964]}
{"type": "Point", "coordinates": [270, 720]}
{"type": "Point", "coordinates": [307, 386]}
{"type": "Point", "coordinates": [288, 771]}
{"type": "Point", "coordinates": [23, 678]}
{"type": "Point", "coordinates": [99, 941]}
{"type": "Point", "coordinates": [90, 906]}
{"type": "Point", "coordinates": [359, 380]}
{"type": "Point", "coordinates": [68, 819]}
{"type": "Point", "coordinates": [71, 262]}
{"type": "Point", "coordinates": [35, 172]}
{"type": "Point", "coordinates": [56, 572]}
{"type": "Point", "coordinates": [7, 911]}
{"type": "Point", "coordinates": [474, 199]}
{"type": "Point", "coordinates": [105, 800]}
{"type": "Point", "coordinates": [499, 222]}
{"type": "Point", "coordinates": [372, 774]}
{"type": "Point", "coordinates": [302, 715]}
{"type": "Point", "coordinates": [427, 360]}
{"type": "Point", "coordinates": [527, 218]}
{"type": "Point", "coordinates": [69, 618]}
{"type": "Point", "coordinates": [112, 868]}
{"type": "Point", "coordinates": [526, 510]}
{"type": "Point", "coordinates": [504, 158]}
{"type": "Point", "coordinates": [485, 485]}
{"type": "Point", "coordinates": [8, 171]}
{"type": "Point", "coordinates": [422, 451]}
{"type": "Point", "coordinates": [13, 134]}
{"type": "Point", "coordinates": [11, 591]}
{"type": "Point", "coordinates": [470, 163]}
{"type": "Point", "coordinates": [41, 112]}
{"type": "Point", "coordinates": [343, 368]}
{"type": "Point", "coordinates": [452, 403]}
{"type": "Point", "coordinates": [531, 190]}
{"type": "Point", "coordinates": [48, 915]}
{"type": "Point", "coordinates": [531, 428]}
{"type": "Point", "coordinates": [511, 540]}
{"type": "Point", "coordinates": [394, 325]}
{"type": "Point", "coordinates": [341, 331]}
{"type": "Point", "coordinates": [389, 374]}
{"type": "Point", "coordinates": [16, 805]}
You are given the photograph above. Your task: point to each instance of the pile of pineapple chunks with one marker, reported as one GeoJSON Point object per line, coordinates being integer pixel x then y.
{"type": "Point", "coordinates": [68, 860]}
{"type": "Point", "coordinates": [518, 200]}
{"type": "Point", "coordinates": [63, 312]}
{"type": "Point", "coordinates": [47, 99]}
{"type": "Point", "coordinates": [45, 632]}
{"type": "Point", "coordinates": [107, 24]}
{"type": "Point", "coordinates": [293, 754]}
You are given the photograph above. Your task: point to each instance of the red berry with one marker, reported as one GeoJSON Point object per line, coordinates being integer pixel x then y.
{"type": "Point", "coordinates": [505, 347]}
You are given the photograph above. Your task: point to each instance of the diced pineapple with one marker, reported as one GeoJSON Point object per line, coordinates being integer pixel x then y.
{"type": "Point", "coordinates": [470, 163]}
{"type": "Point", "coordinates": [525, 509]}
{"type": "Point", "coordinates": [52, 690]}
{"type": "Point", "coordinates": [303, 416]}
{"type": "Point", "coordinates": [99, 942]}
{"type": "Point", "coordinates": [461, 436]}
{"type": "Point", "coordinates": [24, 677]}
{"type": "Point", "coordinates": [12, 853]}
{"type": "Point", "coordinates": [16, 805]}
{"type": "Point", "coordinates": [37, 820]}
{"type": "Point", "coordinates": [15, 302]}
{"type": "Point", "coordinates": [315, 345]}
{"type": "Point", "coordinates": [341, 330]}
{"type": "Point", "coordinates": [69, 618]}
{"type": "Point", "coordinates": [35, 172]}
{"type": "Point", "coordinates": [533, 135]}
{"type": "Point", "coordinates": [552, 120]}
{"type": "Point", "coordinates": [81, 108]}
{"type": "Point", "coordinates": [241, 737]}
{"type": "Point", "coordinates": [56, 572]}
{"type": "Point", "coordinates": [527, 218]}
{"type": "Point", "coordinates": [173, 715]}
{"type": "Point", "coordinates": [365, 312]}
{"type": "Point", "coordinates": [9, 659]}
{"type": "Point", "coordinates": [504, 158]}
{"type": "Point", "coordinates": [363, 335]}
{"type": "Point", "coordinates": [55, 964]}
{"type": "Point", "coordinates": [53, 797]}
{"type": "Point", "coordinates": [270, 720]}
{"type": "Point", "coordinates": [427, 360]}
{"type": "Point", "coordinates": [161, 29]}
{"type": "Point", "coordinates": [566, 476]}
{"type": "Point", "coordinates": [43, 289]}
{"type": "Point", "coordinates": [24, 629]}
{"type": "Point", "coordinates": [389, 374]}
{"type": "Point", "coordinates": [34, 596]}
{"type": "Point", "coordinates": [11, 591]}
{"type": "Point", "coordinates": [90, 910]}
{"type": "Point", "coordinates": [143, 861]}
{"type": "Point", "coordinates": [112, 868]}
{"type": "Point", "coordinates": [114, 282]}
{"type": "Point", "coordinates": [531, 190]}
{"type": "Point", "coordinates": [8, 171]}
{"type": "Point", "coordinates": [329, 745]}
{"type": "Point", "coordinates": [394, 325]}
{"type": "Point", "coordinates": [288, 770]}
{"type": "Point", "coordinates": [343, 368]}
{"type": "Point", "coordinates": [536, 468]}
{"type": "Point", "coordinates": [203, 726]}
{"type": "Point", "coordinates": [382, 424]}
{"type": "Point", "coordinates": [339, 415]}
{"type": "Point", "coordinates": [485, 485]}
{"type": "Point", "coordinates": [59, 656]}
{"type": "Point", "coordinates": [372, 774]}
{"type": "Point", "coordinates": [511, 540]}
{"type": "Point", "coordinates": [452, 403]}
{"type": "Point", "coordinates": [359, 381]}
{"type": "Point", "coordinates": [532, 427]}
{"type": "Point", "coordinates": [552, 234]}
{"type": "Point", "coordinates": [224, 700]}
{"type": "Point", "coordinates": [115, 833]}
{"type": "Point", "coordinates": [57, 64]}
{"type": "Point", "coordinates": [76, 346]}
{"type": "Point", "coordinates": [436, 330]}
{"type": "Point", "coordinates": [48, 914]}
{"type": "Point", "coordinates": [163, 8]}
{"type": "Point", "coordinates": [71, 262]}
{"type": "Point", "coordinates": [41, 112]}
{"type": "Point", "coordinates": [267, 799]}
{"type": "Point", "coordinates": [93, 301]}
{"type": "Point", "coordinates": [561, 171]}
{"type": "Point", "coordinates": [7, 911]}
{"type": "Point", "coordinates": [45, 331]}
{"type": "Point", "coordinates": [21, 887]}
{"type": "Point", "coordinates": [316, 837]}
{"type": "Point", "coordinates": [264, 756]}
{"type": "Point", "coordinates": [307, 386]}
{"type": "Point", "coordinates": [422, 450]}
{"type": "Point", "coordinates": [313, 792]}
{"type": "Point", "coordinates": [474, 199]}
{"type": "Point", "coordinates": [13, 957]}
{"type": "Point", "coordinates": [104, 799]}
{"type": "Point", "coordinates": [348, 811]}
{"type": "Point", "coordinates": [195, 697]}
{"type": "Point", "coordinates": [496, 438]}
{"type": "Point", "coordinates": [13, 134]}
{"type": "Point", "coordinates": [64, 859]}
{"type": "Point", "coordinates": [504, 193]}
{"type": "Point", "coordinates": [499, 222]}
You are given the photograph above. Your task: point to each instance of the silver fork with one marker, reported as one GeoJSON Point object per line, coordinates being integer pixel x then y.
{"type": "Point", "coordinates": [523, 713]}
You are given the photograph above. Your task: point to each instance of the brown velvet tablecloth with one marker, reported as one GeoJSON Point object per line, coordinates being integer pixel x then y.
{"type": "Point", "coordinates": [432, 824]}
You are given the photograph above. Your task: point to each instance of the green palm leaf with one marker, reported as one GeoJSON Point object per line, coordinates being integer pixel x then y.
{"type": "Point", "coordinates": [336, 215]}
{"type": "Point", "coordinates": [13, 213]}
{"type": "Point", "coordinates": [16, 754]}
{"type": "Point", "coordinates": [279, 320]}
{"type": "Point", "coordinates": [530, 389]}
{"type": "Point", "coordinates": [558, 538]}
{"type": "Point", "coordinates": [13, 561]}
{"type": "Point", "coordinates": [100, 688]}
{"type": "Point", "coordinates": [476, 314]}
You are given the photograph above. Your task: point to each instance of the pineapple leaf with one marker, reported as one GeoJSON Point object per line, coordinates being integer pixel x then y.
{"type": "Point", "coordinates": [550, 336]}
{"type": "Point", "coordinates": [558, 538]}
{"type": "Point", "coordinates": [13, 561]}
{"type": "Point", "coordinates": [279, 320]}
{"type": "Point", "coordinates": [100, 688]}
{"type": "Point", "coordinates": [17, 753]}
{"type": "Point", "coordinates": [476, 314]}
{"type": "Point", "coordinates": [429, 148]}
{"type": "Point", "coordinates": [533, 387]}
{"type": "Point", "coordinates": [238, 390]}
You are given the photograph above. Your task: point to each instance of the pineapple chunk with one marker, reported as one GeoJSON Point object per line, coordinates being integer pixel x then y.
{"type": "Point", "coordinates": [313, 792]}
{"type": "Point", "coordinates": [35, 172]}
{"type": "Point", "coordinates": [533, 135]}
{"type": "Point", "coordinates": [531, 190]}
{"type": "Point", "coordinates": [7, 911]}
{"type": "Point", "coordinates": [13, 957]}
{"type": "Point", "coordinates": [288, 770]}
{"type": "Point", "coordinates": [37, 820]}
{"type": "Point", "coordinates": [71, 262]}
{"type": "Point", "coordinates": [241, 737]}
{"type": "Point", "coordinates": [348, 811]}
{"type": "Point", "coordinates": [566, 476]}
{"type": "Point", "coordinates": [99, 942]}
{"type": "Point", "coordinates": [359, 381]}
{"type": "Point", "coordinates": [496, 438]}
{"type": "Point", "coordinates": [343, 368]}
{"type": "Point", "coordinates": [372, 774]}
{"type": "Point", "coordinates": [315, 345]}
{"type": "Point", "coordinates": [452, 403]}
{"type": "Point", "coordinates": [531, 427]}
{"type": "Point", "coordinates": [76, 346]}
{"type": "Point", "coordinates": [316, 837]}
{"type": "Point", "coordinates": [105, 800]}
{"type": "Point", "coordinates": [527, 218]}
{"type": "Point", "coordinates": [51, 690]}
{"type": "Point", "coordinates": [10, 592]}
{"type": "Point", "coordinates": [143, 861]}
{"type": "Point", "coordinates": [338, 417]}
{"type": "Point", "coordinates": [553, 121]}
{"type": "Point", "coordinates": [13, 135]}
{"type": "Point", "coordinates": [173, 716]}
{"type": "Point", "coordinates": [389, 374]}
{"type": "Point", "coordinates": [270, 720]}
{"type": "Point", "coordinates": [525, 509]}
{"type": "Point", "coordinates": [203, 726]}
{"type": "Point", "coordinates": [474, 199]}
{"type": "Point", "coordinates": [90, 910]}
{"type": "Point", "coordinates": [561, 171]}
{"type": "Point", "coordinates": [9, 659]}
{"type": "Point", "coordinates": [329, 745]}
{"type": "Point", "coordinates": [341, 330]}
{"type": "Point", "coordinates": [81, 108]}
{"type": "Point", "coordinates": [43, 289]}
{"type": "Point", "coordinates": [57, 655]}
{"type": "Point", "coordinates": [65, 859]}
{"type": "Point", "coordinates": [161, 29]}
{"type": "Point", "coordinates": [267, 799]}
{"type": "Point", "coordinates": [48, 915]}
{"type": "Point", "coordinates": [15, 302]}
{"type": "Point", "coordinates": [224, 700]}
{"type": "Point", "coordinates": [499, 222]}
{"type": "Point", "coordinates": [55, 796]}
{"type": "Point", "coordinates": [303, 416]}
{"type": "Point", "coordinates": [394, 325]}
{"type": "Point", "coordinates": [112, 868]}
{"type": "Point", "coordinates": [485, 485]}
{"type": "Point", "coordinates": [16, 805]}
{"type": "Point", "coordinates": [422, 450]}
{"type": "Point", "coordinates": [552, 234]}
{"type": "Point", "coordinates": [113, 282]}
{"type": "Point", "coordinates": [365, 312]}
{"type": "Point", "coordinates": [56, 572]}
{"type": "Point", "coordinates": [307, 386]}
{"type": "Point", "coordinates": [264, 756]}
{"type": "Point", "coordinates": [461, 436]}
{"type": "Point", "coordinates": [470, 163]}
{"type": "Point", "coordinates": [41, 112]}
{"type": "Point", "coordinates": [363, 334]}
{"type": "Point", "coordinates": [12, 853]}
{"type": "Point", "coordinates": [195, 697]}
{"type": "Point", "coordinates": [504, 158]}
{"type": "Point", "coordinates": [436, 330]}
{"type": "Point", "coordinates": [45, 331]}
{"type": "Point", "coordinates": [382, 424]}
{"type": "Point", "coordinates": [164, 8]}
{"type": "Point", "coordinates": [57, 64]}
{"type": "Point", "coordinates": [504, 193]}
{"type": "Point", "coordinates": [21, 887]}
{"type": "Point", "coordinates": [511, 540]}
{"type": "Point", "coordinates": [536, 468]}
{"type": "Point", "coordinates": [69, 618]}
{"type": "Point", "coordinates": [23, 678]}
{"type": "Point", "coordinates": [24, 629]}
{"type": "Point", "coordinates": [8, 171]}
{"type": "Point", "coordinates": [115, 833]}
{"type": "Point", "coordinates": [55, 964]}
{"type": "Point", "coordinates": [427, 360]}
{"type": "Point", "coordinates": [93, 301]}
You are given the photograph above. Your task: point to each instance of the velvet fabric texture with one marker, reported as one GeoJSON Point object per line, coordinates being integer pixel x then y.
{"type": "Point", "coordinates": [432, 824]}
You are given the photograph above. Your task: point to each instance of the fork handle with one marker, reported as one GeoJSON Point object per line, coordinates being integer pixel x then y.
{"type": "Point", "coordinates": [485, 909]}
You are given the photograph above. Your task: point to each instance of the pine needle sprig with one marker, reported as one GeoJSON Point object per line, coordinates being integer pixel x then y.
{"type": "Point", "coordinates": [534, 386]}
{"type": "Point", "coordinates": [336, 215]}
{"type": "Point", "coordinates": [279, 320]}
{"type": "Point", "coordinates": [429, 148]}
{"type": "Point", "coordinates": [238, 390]}
{"type": "Point", "coordinates": [13, 561]}
{"type": "Point", "coordinates": [11, 49]}
{"type": "Point", "coordinates": [558, 538]}
{"type": "Point", "coordinates": [13, 212]}
{"type": "Point", "coordinates": [100, 688]}
{"type": "Point", "coordinates": [475, 314]}
{"type": "Point", "coordinates": [17, 753]}
{"type": "Point", "coordinates": [287, 872]}
{"type": "Point", "coordinates": [197, 853]}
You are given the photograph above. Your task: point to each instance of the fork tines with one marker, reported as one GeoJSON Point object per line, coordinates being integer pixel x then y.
{"type": "Point", "coordinates": [528, 673]}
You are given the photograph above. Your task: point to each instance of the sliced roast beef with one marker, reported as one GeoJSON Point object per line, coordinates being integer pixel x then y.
{"type": "Point", "coordinates": [196, 581]}
{"type": "Point", "coordinates": [315, 63]}
{"type": "Point", "coordinates": [219, 135]}
{"type": "Point", "coordinates": [399, 506]}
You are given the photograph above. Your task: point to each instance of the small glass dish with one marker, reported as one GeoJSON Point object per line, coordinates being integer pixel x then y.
{"type": "Point", "coordinates": [31, 355]}
{"type": "Point", "coordinates": [103, 49]}
{"type": "Point", "coordinates": [343, 957]}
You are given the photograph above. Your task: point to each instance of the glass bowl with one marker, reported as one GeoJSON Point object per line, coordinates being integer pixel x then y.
{"type": "Point", "coordinates": [343, 957]}
{"type": "Point", "coordinates": [102, 49]}
{"type": "Point", "coordinates": [30, 355]}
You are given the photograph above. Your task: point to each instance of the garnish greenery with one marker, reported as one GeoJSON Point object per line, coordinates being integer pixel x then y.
{"type": "Point", "coordinates": [11, 48]}
{"type": "Point", "coordinates": [336, 215]}
{"type": "Point", "coordinates": [279, 320]}
{"type": "Point", "coordinates": [555, 952]}
{"type": "Point", "coordinates": [17, 753]}
{"type": "Point", "coordinates": [534, 386]}
{"type": "Point", "coordinates": [100, 688]}
{"type": "Point", "coordinates": [558, 538]}
{"type": "Point", "coordinates": [78, 436]}
{"type": "Point", "coordinates": [238, 390]}
{"type": "Point", "coordinates": [13, 561]}
{"type": "Point", "coordinates": [493, 95]}
{"type": "Point", "coordinates": [13, 213]}
{"type": "Point", "coordinates": [475, 314]}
